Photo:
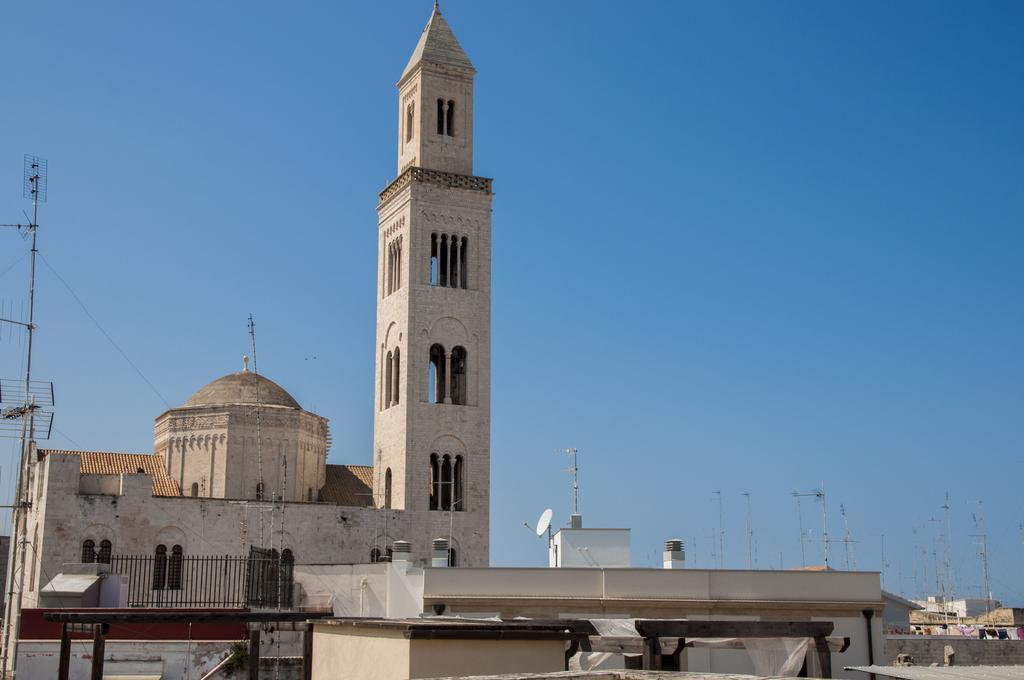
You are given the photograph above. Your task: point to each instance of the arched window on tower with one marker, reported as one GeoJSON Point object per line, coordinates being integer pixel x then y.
{"type": "Point", "coordinates": [410, 119]}
{"type": "Point", "coordinates": [388, 379]}
{"type": "Point", "coordinates": [452, 558]}
{"type": "Point", "coordinates": [387, 488]}
{"type": "Point", "coordinates": [458, 492]}
{"type": "Point", "coordinates": [440, 116]}
{"type": "Point", "coordinates": [397, 371]}
{"type": "Point", "coordinates": [435, 482]}
{"type": "Point", "coordinates": [105, 550]}
{"type": "Point", "coordinates": [458, 379]}
{"type": "Point", "coordinates": [195, 489]}
{"type": "Point", "coordinates": [174, 569]}
{"type": "Point", "coordinates": [450, 119]}
{"type": "Point", "coordinates": [446, 482]}
{"type": "Point", "coordinates": [435, 265]}
{"type": "Point", "coordinates": [160, 568]}
{"type": "Point", "coordinates": [436, 375]}
{"type": "Point", "coordinates": [88, 551]}
{"type": "Point", "coordinates": [463, 258]}
{"type": "Point", "coordinates": [375, 556]}
{"type": "Point", "coordinates": [259, 491]}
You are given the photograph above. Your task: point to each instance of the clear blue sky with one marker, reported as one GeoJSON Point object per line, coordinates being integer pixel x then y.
{"type": "Point", "coordinates": [737, 247]}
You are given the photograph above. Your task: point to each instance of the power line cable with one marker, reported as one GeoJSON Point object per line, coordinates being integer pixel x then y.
{"type": "Point", "coordinates": [104, 332]}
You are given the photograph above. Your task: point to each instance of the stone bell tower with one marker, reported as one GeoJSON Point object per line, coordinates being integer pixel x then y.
{"type": "Point", "coordinates": [432, 403]}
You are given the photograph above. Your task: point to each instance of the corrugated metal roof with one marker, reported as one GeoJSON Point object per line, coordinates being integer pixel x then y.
{"type": "Point", "coordinates": [944, 672]}
{"type": "Point", "coordinates": [349, 485]}
{"type": "Point", "coordinates": [108, 463]}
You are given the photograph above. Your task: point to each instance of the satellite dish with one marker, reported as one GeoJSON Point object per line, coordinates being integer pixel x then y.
{"type": "Point", "coordinates": [544, 522]}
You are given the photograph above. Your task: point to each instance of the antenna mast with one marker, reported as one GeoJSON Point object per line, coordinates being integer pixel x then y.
{"type": "Point", "coordinates": [261, 486]}
{"type": "Point", "coordinates": [846, 538]}
{"type": "Point", "coordinates": [950, 579]}
{"type": "Point", "coordinates": [820, 495]}
{"type": "Point", "coordinates": [721, 531]}
{"type": "Point", "coordinates": [800, 522]}
{"type": "Point", "coordinates": [984, 557]}
{"type": "Point", "coordinates": [750, 534]}
{"type": "Point", "coordinates": [35, 180]}
{"type": "Point", "coordinates": [575, 472]}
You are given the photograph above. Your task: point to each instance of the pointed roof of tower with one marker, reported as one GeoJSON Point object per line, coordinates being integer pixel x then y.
{"type": "Point", "coordinates": [437, 45]}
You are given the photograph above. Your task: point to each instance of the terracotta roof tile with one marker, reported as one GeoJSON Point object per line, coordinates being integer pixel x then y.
{"type": "Point", "coordinates": [107, 463]}
{"type": "Point", "coordinates": [349, 485]}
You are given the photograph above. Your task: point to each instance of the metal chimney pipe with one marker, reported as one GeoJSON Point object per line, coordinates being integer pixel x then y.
{"type": "Point", "coordinates": [439, 553]}
{"type": "Point", "coordinates": [674, 556]}
{"type": "Point", "coordinates": [401, 552]}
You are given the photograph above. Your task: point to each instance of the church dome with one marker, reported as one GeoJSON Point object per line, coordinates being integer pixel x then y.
{"type": "Point", "coordinates": [241, 388]}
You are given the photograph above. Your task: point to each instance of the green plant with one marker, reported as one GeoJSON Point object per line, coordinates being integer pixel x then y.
{"type": "Point", "coordinates": [238, 659]}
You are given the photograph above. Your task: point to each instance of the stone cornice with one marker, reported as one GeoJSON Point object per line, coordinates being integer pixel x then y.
{"type": "Point", "coordinates": [448, 180]}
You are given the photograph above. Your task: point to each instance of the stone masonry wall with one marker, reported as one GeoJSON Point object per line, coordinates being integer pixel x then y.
{"type": "Point", "coordinates": [927, 650]}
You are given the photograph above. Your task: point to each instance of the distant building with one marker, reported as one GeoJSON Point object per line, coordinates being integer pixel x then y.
{"type": "Point", "coordinates": [896, 613]}
{"type": "Point", "coordinates": [961, 608]}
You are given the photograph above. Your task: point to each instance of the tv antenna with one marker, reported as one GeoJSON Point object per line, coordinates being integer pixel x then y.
{"type": "Point", "coordinates": [850, 559]}
{"type": "Point", "coordinates": [818, 494]}
{"type": "Point", "coordinates": [574, 470]}
{"type": "Point", "coordinates": [750, 533]}
{"type": "Point", "coordinates": [261, 486]}
{"type": "Point", "coordinates": [721, 531]}
{"type": "Point", "coordinates": [983, 552]}
{"type": "Point", "coordinates": [950, 574]}
{"type": "Point", "coordinates": [25, 406]}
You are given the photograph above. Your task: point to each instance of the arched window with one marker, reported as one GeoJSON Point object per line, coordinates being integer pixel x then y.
{"type": "Point", "coordinates": [387, 488]}
{"type": "Point", "coordinates": [435, 482]}
{"type": "Point", "coordinates": [174, 569]}
{"type": "Point", "coordinates": [452, 558]}
{"type": "Point", "coordinates": [375, 556]}
{"type": "Point", "coordinates": [435, 265]}
{"type": "Point", "coordinates": [459, 500]}
{"type": "Point", "coordinates": [195, 489]}
{"type": "Point", "coordinates": [458, 378]}
{"type": "Point", "coordinates": [442, 260]}
{"type": "Point", "coordinates": [436, 375]}
{"type": "Point", "coordinates": [463, 258]}
{"type": "Point", "coordinates": [388, 379]}
{"type": "Point", "coordinates": [309, 495]}
{"type": "Point", "coordinates": [105, 550]}
{"type": "Point", "coordinates": [450, 119]}
{"type": "Point", "coordinates": [446, 483]}
{"type": "Point", "coordinates": [440, 116]}
{"type": "Point", "coordinates": [160, 568]}
{"type": "Point", "coordinates": [410, 118]}
{"type": "Point", "coordinates": [287, 570]}
{"type": "Point", "coordinates": [397, 374]}
{"type": "Point", "coordinates": [88, 550]}
{"type": "Point", "coordinates": [259, 491]}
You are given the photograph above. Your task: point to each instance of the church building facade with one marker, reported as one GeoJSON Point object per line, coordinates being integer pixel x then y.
{"type": "Point", "coordinates": [242, 465]}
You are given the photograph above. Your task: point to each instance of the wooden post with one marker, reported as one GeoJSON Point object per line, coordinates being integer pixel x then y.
{"type": "Point", "coordinates": [571, 648]}
{"type": "Point", "coordinates": [652, 654]}
{"type": "Point", "coordinates": [64, 664]}
{"type": "Point", "coordinates": [98, 645]}
{"type": "Point", "coordinates": [672, 660]}
{"type": "Point", "coordinates": [254, 653]}
{"type": "Point", "coordinates": [307, 652]}
{"type": "Point", "coordinates": [824, 656]}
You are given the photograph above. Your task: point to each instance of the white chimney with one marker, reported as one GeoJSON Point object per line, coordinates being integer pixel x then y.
{"type": "Point", "coordinates": [674, 556]}
{"type": "Point", "coordinates": [439, 553]}
{"type": "Point", "coordinates": [401, 553]}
